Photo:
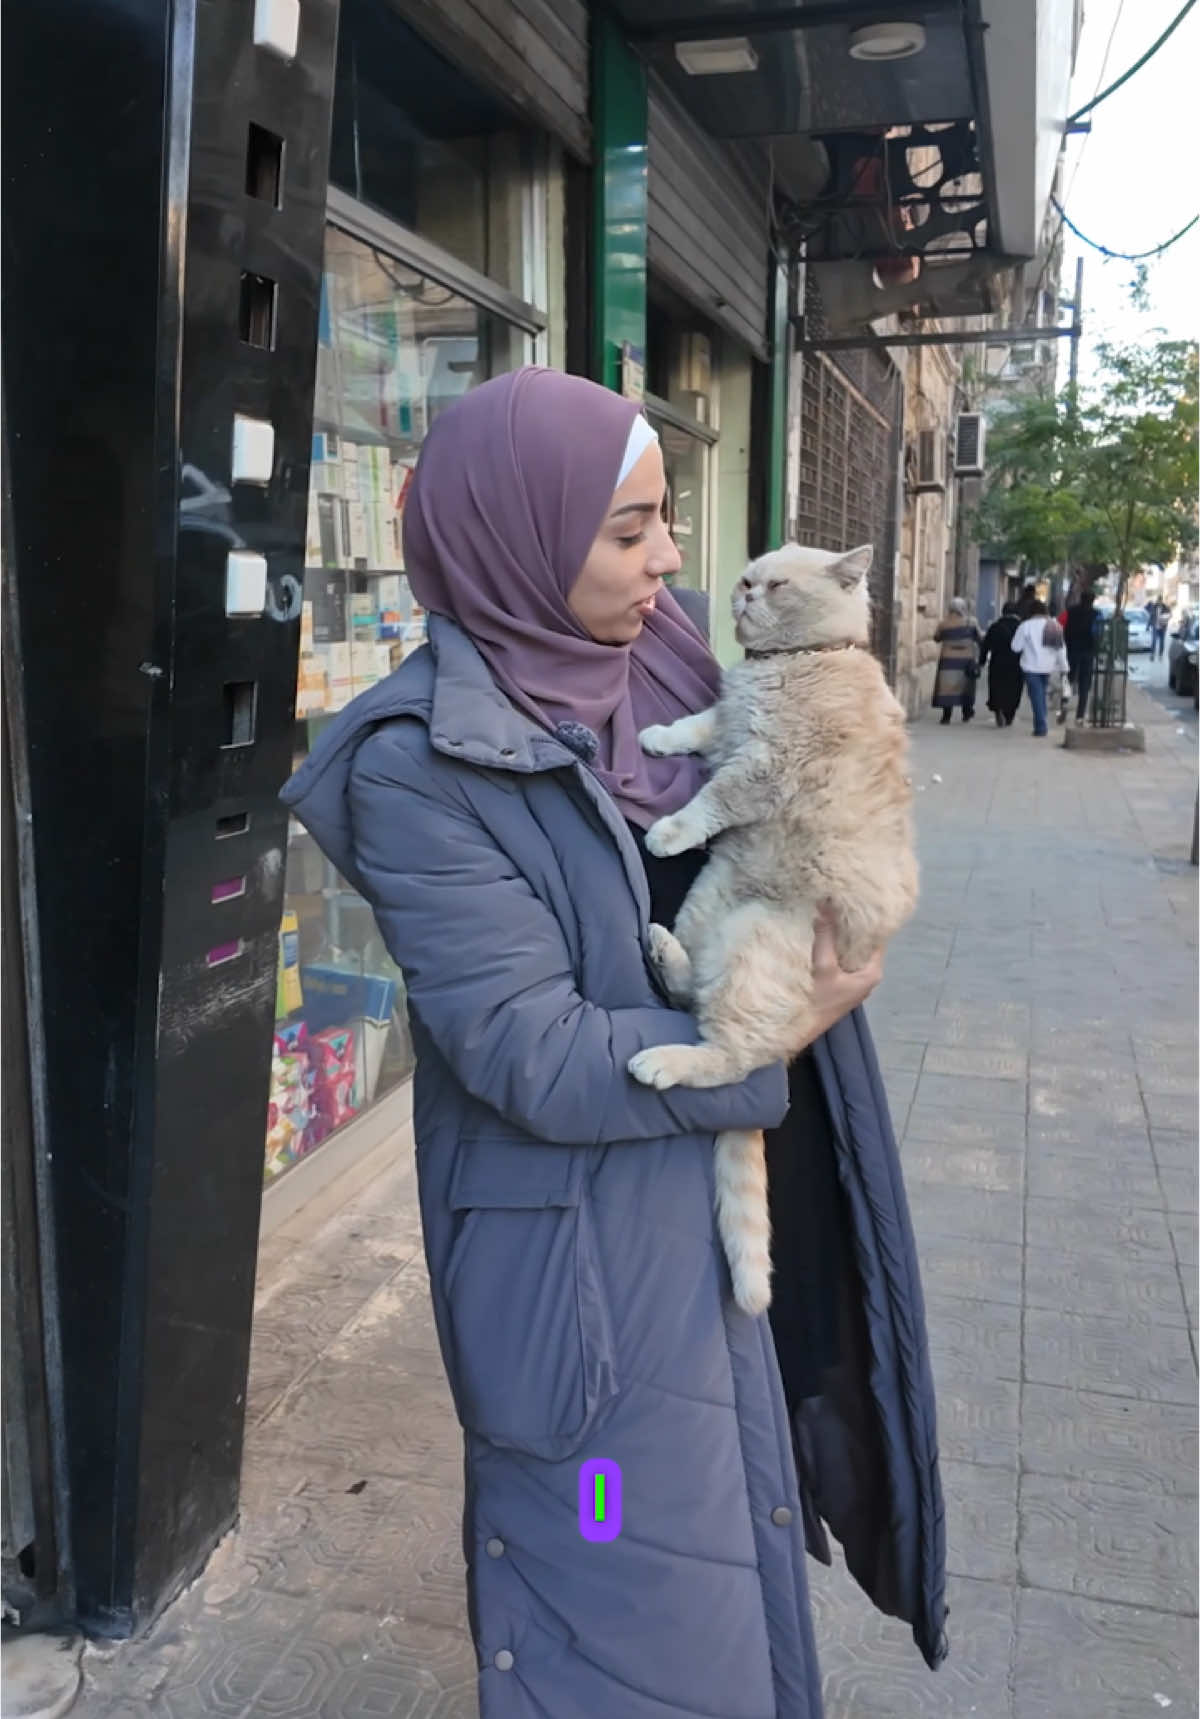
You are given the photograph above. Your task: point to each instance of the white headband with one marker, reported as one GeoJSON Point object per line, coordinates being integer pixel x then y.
{"type": "Point", "coordinates": [641, 436]}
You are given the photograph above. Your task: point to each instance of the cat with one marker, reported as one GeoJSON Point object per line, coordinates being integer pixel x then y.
{"type": "Point", "coordinates": [809, 803]}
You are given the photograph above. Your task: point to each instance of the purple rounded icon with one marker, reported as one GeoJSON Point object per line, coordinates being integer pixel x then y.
{"type": "Point", "coordinates": [599, 1500]}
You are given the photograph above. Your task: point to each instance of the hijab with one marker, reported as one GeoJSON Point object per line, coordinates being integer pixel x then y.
{"type": "Point", "coordinates": [512, 485]}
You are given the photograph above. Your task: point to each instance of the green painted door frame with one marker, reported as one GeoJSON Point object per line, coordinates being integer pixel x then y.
{"type": "Point", "coordinates": [619, 123]}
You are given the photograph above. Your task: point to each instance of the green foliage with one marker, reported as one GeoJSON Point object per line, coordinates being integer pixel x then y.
{"type": "Point", "coordinates": [1109, 477]}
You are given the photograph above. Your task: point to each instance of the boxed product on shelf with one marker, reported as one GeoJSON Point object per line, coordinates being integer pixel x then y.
{"type": "Point", "coordinates": [334, 996]}
{"type": "Point", "coordinates": [391, 592]}
{"type": "Point", "coordinates": [335, 1074]}
{"type": "Point", "coordinates": [289, 995]}
{"type": "Point", "coordinates": [364, 617]}
{"type": "Point", "coordinates": [312, 686]}
{"type": "Point", "coordinates": [329, 618]}
{"type": "Point", "coordinates": [293, 1125]}
{"type": "Point", "coordinates": [364, 667]}
{"type": "Point", "coordinates": [370, 1042]}
{"type": "Point", "coordinates": [312, 531]}
{"type": "Point", "coordinates": [341, 679]}
{"type": "Point", "coordinates": [332, 531]}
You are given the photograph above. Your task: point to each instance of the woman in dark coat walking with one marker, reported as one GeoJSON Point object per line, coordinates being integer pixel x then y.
{"type": "Point", "coordinates": [1005, 680]}
{"type": "Point", "coordinates": [490, 801]}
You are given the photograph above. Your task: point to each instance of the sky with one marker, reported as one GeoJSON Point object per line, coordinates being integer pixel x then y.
{"type": "Point", "coordinates": [1134, 181]}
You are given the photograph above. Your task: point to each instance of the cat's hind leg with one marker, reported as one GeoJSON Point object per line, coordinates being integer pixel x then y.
{"type": "Point", "coordinates": [753, 991]}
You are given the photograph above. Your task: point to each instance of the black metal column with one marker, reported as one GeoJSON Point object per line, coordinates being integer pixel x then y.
{"type": "Point", "coordinates": [163, 238]}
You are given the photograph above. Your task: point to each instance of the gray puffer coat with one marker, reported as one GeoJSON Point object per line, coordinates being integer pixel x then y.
{"type": "Point", "coordinates": [581, 1297]}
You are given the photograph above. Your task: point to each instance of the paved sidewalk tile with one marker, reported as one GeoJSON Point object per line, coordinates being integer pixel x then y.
{"type": "Point", "coordinates": [1037, 1031]}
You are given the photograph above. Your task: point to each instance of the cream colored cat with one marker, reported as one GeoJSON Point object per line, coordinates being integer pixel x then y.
{"type": "Point", "coordinates": [809, 803]}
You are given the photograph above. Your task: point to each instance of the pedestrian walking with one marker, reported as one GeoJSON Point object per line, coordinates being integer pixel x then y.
{"type": "Point", "coordinates": [958, 662]}
{"type": "Point", "coordinates": [1027, 600]}
{"type": "Point", "coordinates": [1081, 634]}
{"type": "Point", "coordinates": [490, 800]}
{"type": "Point", "coordinates": [1005, 679]}
{"type": "Point", "coordinates": [1038, 642]}
{"type": "Point", "coordinates": [1160, 617]}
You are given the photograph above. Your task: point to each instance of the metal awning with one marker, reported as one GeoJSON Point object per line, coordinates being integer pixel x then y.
{"type": "Point", "coordinates": [908, 143]}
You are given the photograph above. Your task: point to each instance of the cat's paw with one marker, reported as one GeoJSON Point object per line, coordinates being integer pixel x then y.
{"type": "Point", "coordinates": [671, 963]}
{"type": "Point", "coordinates": [656, 740]}
{"type": "Point", "coordinates": [673, 835]}
{"type": "Point", "coordinates": [656, 1066]}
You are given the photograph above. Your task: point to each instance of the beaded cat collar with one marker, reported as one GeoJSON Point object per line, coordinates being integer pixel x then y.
{"type": "Point", "coordinates": [798, 651]}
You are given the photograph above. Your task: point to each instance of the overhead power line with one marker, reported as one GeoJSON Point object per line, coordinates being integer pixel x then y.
{"type": "Point", "coordinates": [1123, 256]}
{"type": "Point", "coordinates": [1136, 67]}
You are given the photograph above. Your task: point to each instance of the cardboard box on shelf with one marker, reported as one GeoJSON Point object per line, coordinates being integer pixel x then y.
{"type": "Point", "coordinates": [312, 686]}
{"type": "Point", "coordinates": [335, 996]}
{"type": "Point", "coordinates": [289, 994]}
{"type": "Point", "coordinates": [391, 591]}
{"type": "Point", "coordinates": [364, 665]}
{"type": "Point", "coordinates": [328, 598]}
{"type": "Point", "coordinates": [341, 680]}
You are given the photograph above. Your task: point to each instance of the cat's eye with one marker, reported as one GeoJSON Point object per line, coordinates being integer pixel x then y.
{"type": "Point", "coordinates": [774, 584]}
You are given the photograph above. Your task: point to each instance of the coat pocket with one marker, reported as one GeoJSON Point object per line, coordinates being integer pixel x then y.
{"type": "Point", "coordinates": [528, 1315]}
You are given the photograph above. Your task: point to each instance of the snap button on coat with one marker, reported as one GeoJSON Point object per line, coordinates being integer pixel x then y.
{"type": "Point", "coordinates": [495, 1548]}
{"type": "Point", "coordinates": [781, 1516]}
{"type": "Point", "coordinates": [503, 1660]}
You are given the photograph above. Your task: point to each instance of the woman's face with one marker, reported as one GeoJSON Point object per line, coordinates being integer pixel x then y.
{"type": "Point", "coordinates": [633, 552]}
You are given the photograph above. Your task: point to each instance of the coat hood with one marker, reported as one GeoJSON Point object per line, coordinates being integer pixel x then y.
{"type": "Point", "coordinates": [446, 685]}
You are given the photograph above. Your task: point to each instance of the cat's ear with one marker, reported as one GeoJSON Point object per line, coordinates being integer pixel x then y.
{"type": "Point", "coordinates": [853, 566]}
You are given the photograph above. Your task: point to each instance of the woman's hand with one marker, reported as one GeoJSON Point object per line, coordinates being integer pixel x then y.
{"type": "Point", "coordinates": [836, 992]}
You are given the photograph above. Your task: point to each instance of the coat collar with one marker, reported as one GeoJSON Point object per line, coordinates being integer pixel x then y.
{"type": "Point", "coordinates": [448, 686]}
{"type": "Point", "coordinates": [470, 717]}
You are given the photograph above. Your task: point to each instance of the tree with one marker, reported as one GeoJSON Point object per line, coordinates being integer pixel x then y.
{"type": "Point", "coordinates": [1137, 456]}
{"type": "Point", "coordinates": [1108, 477]}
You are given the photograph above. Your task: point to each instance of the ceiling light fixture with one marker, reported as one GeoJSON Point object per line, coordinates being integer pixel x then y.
{"type": "Point", "coordinates": [716, 59]}
{"type": "Point", "coordinates": [887, 41]}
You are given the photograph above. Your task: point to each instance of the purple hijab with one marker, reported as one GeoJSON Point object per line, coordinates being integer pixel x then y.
{"type": "Point", "coordinates": [512, 485]}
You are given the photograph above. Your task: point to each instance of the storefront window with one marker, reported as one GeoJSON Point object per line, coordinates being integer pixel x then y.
{"type": "Point", "coordinates": [396, 348]}
{"type": "Point", "coordinates": [686, 459]}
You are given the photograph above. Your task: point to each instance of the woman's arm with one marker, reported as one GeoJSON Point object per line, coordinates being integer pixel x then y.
{"type": "Point", "coordinates": [490, 975]}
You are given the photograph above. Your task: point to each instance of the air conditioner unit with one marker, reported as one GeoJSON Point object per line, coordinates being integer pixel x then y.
{"type": "Point", "coordinates": [930, 461]}
{"type": "Point", "coordinates": [968, 444]}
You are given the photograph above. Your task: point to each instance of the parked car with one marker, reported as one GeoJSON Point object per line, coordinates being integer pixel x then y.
{"type": "Point", "coordinates": [1182, 674]}
{"type": "Point", "coordinates": [1141, 634]}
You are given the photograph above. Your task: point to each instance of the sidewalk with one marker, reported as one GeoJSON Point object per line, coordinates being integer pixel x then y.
{"type": "Point", "coordinates": [1037, 1027]}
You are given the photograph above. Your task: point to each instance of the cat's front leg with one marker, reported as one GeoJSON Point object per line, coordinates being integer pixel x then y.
{"type": "Point", "coordinates": [672, 964]}
{"type": "Point", "coordinates": [743, 791]}
{"type": "Point", "coordinates": [672, 739]}
{"type": "Point", "coordinates": [684, 829]}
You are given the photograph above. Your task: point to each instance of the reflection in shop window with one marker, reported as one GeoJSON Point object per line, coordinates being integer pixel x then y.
{"type": "Point", "coordinates": [395, 350]}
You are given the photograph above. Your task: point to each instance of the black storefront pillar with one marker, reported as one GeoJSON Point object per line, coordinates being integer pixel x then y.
{"type": "Point", "coordinates": [163, 238]}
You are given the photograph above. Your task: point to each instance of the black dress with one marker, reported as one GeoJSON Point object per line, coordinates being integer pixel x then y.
{"type": "Point", "coordinates": [807, 1218]}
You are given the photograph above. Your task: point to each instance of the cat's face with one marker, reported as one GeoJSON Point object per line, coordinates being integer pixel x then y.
{"type": "Point", "coordinates": [796, 596]}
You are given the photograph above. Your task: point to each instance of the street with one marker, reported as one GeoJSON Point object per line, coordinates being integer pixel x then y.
{"type": "Point", "coordinates": [1037, 1028]}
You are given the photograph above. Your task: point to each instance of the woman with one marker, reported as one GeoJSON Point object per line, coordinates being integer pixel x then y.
{"type": "Point", "coordinates": [1080, 632]}
{"type": "Point", "coordinates": [1005, 681]}
{"type": "Point", "coordinates": [490, 801]}
{"type": "Point", "coordinates": [958, 664]}
{"type": "Point", "coordinates": [1038, 642]}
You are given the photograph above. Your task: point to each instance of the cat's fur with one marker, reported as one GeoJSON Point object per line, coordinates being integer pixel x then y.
{"type": "Point", "coordinates": [809, 802]}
